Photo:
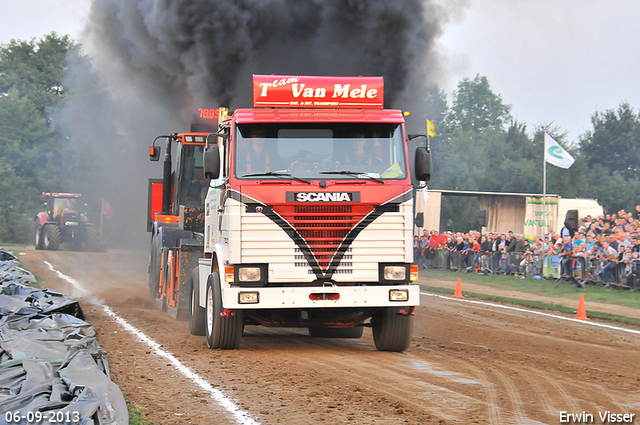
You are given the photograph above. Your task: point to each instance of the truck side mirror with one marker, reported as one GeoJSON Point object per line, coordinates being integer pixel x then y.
{"type": "Point", "coordinates": [154, 153]}
{"type": "Point", "coordinates": [212, 162]}
{"type": "Point", "coordinates": [419, 220]}
{"type": "Point", "coordinates": [422, 164]}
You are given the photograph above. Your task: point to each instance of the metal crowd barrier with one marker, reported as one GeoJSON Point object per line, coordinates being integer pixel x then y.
{"type": "Point", "coordinates": [583, 269]}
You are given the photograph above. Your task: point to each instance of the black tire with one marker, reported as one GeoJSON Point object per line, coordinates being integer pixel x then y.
{"type": "Point", "coordinates": [163, 291]}
{"type": "Point", "coordinates": [154, 267]}
{"type": "Point", "coordinates": [92, 239]}
{"type": "Point", "coordinates": [222, 332]}
{"type": "Point", "coordinates": [197, 314]}
{"type": "Point", "coordinates": [51, 237]}
{"type": "Point", "coordinates": [392, 331]}
{"type": "Point", "coordinates": [354, 332]}
{"type": "Point", "coordinates": [37, 243]}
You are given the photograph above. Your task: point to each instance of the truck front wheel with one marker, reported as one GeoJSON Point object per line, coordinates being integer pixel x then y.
{"type": "Point", "coordinates": [222, 332]}
{"type": "Point", "coordinates": [392, 331]}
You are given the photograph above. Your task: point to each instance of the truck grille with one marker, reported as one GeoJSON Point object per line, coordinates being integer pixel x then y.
{"type": "Point", "coordinates": [323, 227]}
{"type": "Point", "coordinates": [346, 264]}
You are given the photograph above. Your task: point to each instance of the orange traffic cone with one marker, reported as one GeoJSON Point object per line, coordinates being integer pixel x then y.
{"type": "Point", "coordinates": [582, 312]}
{"type": "Point", "coordinates": [458, 292]}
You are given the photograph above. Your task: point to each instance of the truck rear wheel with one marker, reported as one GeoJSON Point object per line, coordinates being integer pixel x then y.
{"type": "Point", "coordinates": [162, 300]}
{"type": "Point", "coordinates": [197, 314]}
{"type": "Point", "coordinates": [222, 332]}
{"type": "Point", "coordinates": [392, 331]}
{"type": "Point", "coordinates": [51, 237]}
{"type": "Point", "coordinates": [154, 267]}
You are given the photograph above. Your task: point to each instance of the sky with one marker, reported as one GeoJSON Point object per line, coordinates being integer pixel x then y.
{"type": "Point", "coordinates": [25, 19]}
{"type": "Point", "coordinates": [554, 61]}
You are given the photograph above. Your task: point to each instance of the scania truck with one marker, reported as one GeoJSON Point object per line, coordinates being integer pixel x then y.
{"type": "Point", "coordinates": [307, 216]}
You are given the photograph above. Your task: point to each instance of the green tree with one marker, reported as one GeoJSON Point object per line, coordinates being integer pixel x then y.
{"type": "Point", "coordinates": [482, 148]}
{"type": "Point", "coordinates": [31, 86]}
{"type": "Point", "coordinates": [471, 149]}
{"type": "Point", "coordinates": [613, 191]}
{"type": "Point", "coordinates": [476, 107]}
{"type": "Point", "coordinates": [614, 141]}
{"type": "Point", "coordinates": [25, 135]}
{"type": "Point", "coordinates": [612, 154]}
{"type": "Point", "coordinates": [25, 163]}
{"type": "Point", "coordinates": [36, 69]}
{"type": "Point", "coordinates": [474, 145]}
{"type": "Point", "coordinates": [10, 188]}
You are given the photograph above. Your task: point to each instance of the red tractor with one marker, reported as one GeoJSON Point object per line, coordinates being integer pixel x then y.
{"type": "Point", "coordinates": [64, 220]}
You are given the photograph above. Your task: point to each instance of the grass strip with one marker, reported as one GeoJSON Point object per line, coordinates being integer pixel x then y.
{"type": "Point", "coordinates": [548, 288]}
{"type": "Point", "coordinates": [135, 416]}
{"type": "Point", "coordinates": [535, 304]}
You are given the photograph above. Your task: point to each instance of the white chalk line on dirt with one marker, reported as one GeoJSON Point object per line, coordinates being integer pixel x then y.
{"type": "Point", "coordinates": [571, 319]}
{"type": "Point", "coordinates": [241, 415]}
{"type": "Point", "coordinates": [76, 285]}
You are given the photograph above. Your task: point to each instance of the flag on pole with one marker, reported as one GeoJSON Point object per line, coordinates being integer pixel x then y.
{"type": "Point", "coordinates": [107, 211]}
{"type": "Point", "coordinates": [431, 129]}
{"type": "Point", "coordinates": [555, 154]}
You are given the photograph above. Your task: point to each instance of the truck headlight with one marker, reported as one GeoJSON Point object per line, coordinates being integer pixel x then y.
{"type": "Point", "coordinates": [249, 274]}
{"type": "Point", "coordinates": [395, 272]}
{"type": "Point", "coordinates": [248, 297]}
{"type": "Point", "coordinates": [398, 295]}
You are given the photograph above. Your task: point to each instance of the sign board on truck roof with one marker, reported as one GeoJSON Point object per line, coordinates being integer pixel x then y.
{"type": "Point", "coordinates": [286, 91]}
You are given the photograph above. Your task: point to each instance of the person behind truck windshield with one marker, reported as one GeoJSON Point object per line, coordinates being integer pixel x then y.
{"type": "Point", "coordinates": [360, 153]}
{"type": "Point", "coordinates": [257, 156]}
{"type": "Point", "coordinates": [317, 150]}
{"type": "Point", "coordinates": [60, 205]}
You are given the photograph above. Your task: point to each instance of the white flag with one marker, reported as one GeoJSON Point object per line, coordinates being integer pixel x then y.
{"type": "Point", "coordinates": [555, 154]}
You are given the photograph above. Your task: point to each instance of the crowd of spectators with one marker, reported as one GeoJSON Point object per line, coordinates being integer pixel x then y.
{"type": "Point", "coordinates": [604, 251]}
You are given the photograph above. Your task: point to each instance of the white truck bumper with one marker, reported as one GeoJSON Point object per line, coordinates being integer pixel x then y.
{"type": "Point", "coordinates": [307, 297]}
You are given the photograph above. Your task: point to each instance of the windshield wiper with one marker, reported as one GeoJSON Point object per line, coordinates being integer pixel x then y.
{"type": "Point", "coordinates": [355, 174]}
{"type": "Point", "coordinates": [277, 174]}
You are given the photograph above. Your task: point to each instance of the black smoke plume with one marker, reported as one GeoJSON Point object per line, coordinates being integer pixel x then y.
{"type": "Point", "coordinates": [154, 62]}
{"type": "Point", "coordinates": [203, 52]}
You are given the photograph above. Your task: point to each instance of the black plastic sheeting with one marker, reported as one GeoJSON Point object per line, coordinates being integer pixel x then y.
{"type": "Point", "coordinates": [52, 369]}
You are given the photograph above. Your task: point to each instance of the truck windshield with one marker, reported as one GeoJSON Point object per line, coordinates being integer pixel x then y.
{"type": "Point", "coordinates": [64, 204]}
{"type": "Point", "coordinates": [320, 150]}
{"type": "Point", "coordinates": [191, 181]}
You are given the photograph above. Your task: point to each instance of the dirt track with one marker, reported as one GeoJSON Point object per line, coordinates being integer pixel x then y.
{"type": "Point", "coordinates": [466, 364]}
